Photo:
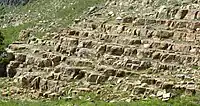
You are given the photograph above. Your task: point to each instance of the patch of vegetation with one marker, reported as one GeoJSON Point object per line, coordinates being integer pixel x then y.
{"type": "Point", "coordinates": [45, 14]}
{"type": "Point", "coordinates": [3, 55]}
{"type": "Point", "coordinates": [186, 101]}
{"type": "Point", "coordinates": [11, 33]}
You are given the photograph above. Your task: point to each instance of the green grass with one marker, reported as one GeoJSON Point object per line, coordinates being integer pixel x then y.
{"type": "Point", "coordinates": [186, 101]}
{"type": "Point", "coordinates": [11, 33]}
{"type": "Point", "coordinates": [61, 12]}
{"type": "Point", "coordinates": [89, 99]}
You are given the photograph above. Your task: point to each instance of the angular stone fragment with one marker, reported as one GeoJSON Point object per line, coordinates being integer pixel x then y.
{"type": "Point", "coordinates": [165, 34]}
{"type": "Point", "coordinates": [149, 81]}
{"type": "Point", "coordinates": [127, 51]}
{"type": "Point", "coordinates": [25, 82]}
{"type": "Point", "coordinates": [167, 85]}
{"type": "Point", "coordinates": [139, 90]}
{"type": "Point", "coordinates": [92, 78]}
{"type": "Point", "coordinates": [163, 46]}
{"type": "Point", "coordinates": [72, 72]}
{"type": "Point", "coordinates": [110, 72]}
{"type": "Point", "coordinates": [17, 47]}
{"type": "Point", "coordinates": [10, 56]}
{"type": "Point", "coordinates": [166, 95]}
{"type": "Point", "coordinates": [116, 50]}
{"type": "Point", "coordinates": [101, 49]}
{"type": "Point", "coordinates": [192, 14]}
{"type": "Point", "coordinates": [21, 58]}
{"type": "Point", "coordinates": [139, 21]}
{"type": "Point", "coordinates": [40, 64]}
{"type": "Point", "coordinates": [56, 60]}
{"type": "Point", "coordinates": [144, 65]}
{"type": "Point", "coordinates": [30, 60]}
{"type": "Point", "coordinates": [57, 47]}
{"type": "Point", "coordinates": [11, 72]}
{"type": "Point", "coordinates": [101, 79]}
{"type": "Point", "coordinates": [120, 74]}
{"type": "Point", "coordinates": [169, 58]}
{"type": "Point", "coordinates": [181, 14]}
{"type": "Point", "coordinates": [190, 37]}
{"type": "Point", "coordinates": [14, 64]}
{"type": "Point", "coordinates": [159, 94]}
{"type": "Point", "coordinates": [197, 16]}
{"type": "Point", "coordinates": [35, 84]}
{"type": "Point", "coordinates": [72, 32]}
{"type": "Point", "coordinates": [146, 46]}
{"type": "Point", "coordinates": [43, 85]}
{"type": "Point", "coordinates": [72, 42]}
{"type": "Point", "coordinates": [120, 29]}
{"type": "Point", "coordinates": [190, 91]}
{"type": "Point", "coordinates": [156, 55]}
{"type": "Point", "coordinates": [81, 74]}
{"type": "Point", "coordinates": [134, 41]}
{"type": "Point", "coordinates": [127, 19]}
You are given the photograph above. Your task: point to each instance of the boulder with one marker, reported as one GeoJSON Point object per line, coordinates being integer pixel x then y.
{"type": "Point", "coordinates": [35, 84]}
{"type": "Point", "coordinates": [92, 78]}
{"type": "Point", "coordinates": [20, 57]}
{"type": "Point", "coordinates": [56, 60]}
{"type": "Point", "coordinates": [127, 19]}
{"type": "Point", "coordinates": [116, 50]}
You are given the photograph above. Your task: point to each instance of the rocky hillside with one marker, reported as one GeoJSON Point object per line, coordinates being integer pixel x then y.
{"type": "Point", "coordinates": [122, 50]}
{"type": "Point", "coordinates": [14, 2]}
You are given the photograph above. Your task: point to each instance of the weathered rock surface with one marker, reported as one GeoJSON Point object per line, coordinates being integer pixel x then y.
{"type": "Point", "coordinates": [147, 50]}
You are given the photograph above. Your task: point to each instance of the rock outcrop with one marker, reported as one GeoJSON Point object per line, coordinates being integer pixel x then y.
{"type": "Point", "coordinates": [142, 48]}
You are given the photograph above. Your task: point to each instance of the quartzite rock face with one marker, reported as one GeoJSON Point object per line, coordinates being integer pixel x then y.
{"type": "Point", "coordinates": [148, 49]}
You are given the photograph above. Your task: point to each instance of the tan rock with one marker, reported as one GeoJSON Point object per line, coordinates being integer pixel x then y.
{"type": "Point", "coordinates": [139, 21]}
{"type": "Point", "coordinates": [56, 60]}
{"type": "Point", "coordinates": [159, 93]}
{"type": "Point", "coordinates": [116, 50]}
{"type": "Point", "coordinates": [20, 57]}
{"type": "Point", "coordinates": [127, 19]}
{"type": "Point", "coordinates": [191, 14]}
{"type": "Point", "coordinates": [25, 82]}
{"type": "Point", "coordinates": [166, 95]}
{"type": "Point", "coordinates": [156, 55]}
{"type": "Point", "coordinates": [168, 85]}
{"type": "Point", "coordinates": [93, 78]}
{"type": "Point", "coordinates": [181, 14]}
{"type": "Point", "coordinates": [101, 49]}
{"type": "Point", "coordinates": [47, 62]}
{"type": "Point", "coordinates": [11, 72]}
{"type": "Point", "coordinates": [24, 34]}
{"type": "Point", "coordinates": [139, 90]}
{"type": "Point", "coordinates": [35, 84]}
{"type": "Point", "coordinates": [120, 29]}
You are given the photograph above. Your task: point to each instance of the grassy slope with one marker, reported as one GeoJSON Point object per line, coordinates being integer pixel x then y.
{"type": "Point", "coordinates": [61, 12]}
{"type": "Point", "coordinates": [187, 101]}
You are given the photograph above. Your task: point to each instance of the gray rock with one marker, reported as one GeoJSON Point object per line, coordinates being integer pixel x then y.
{"type": "Point", "coordinates": [14, 2]}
